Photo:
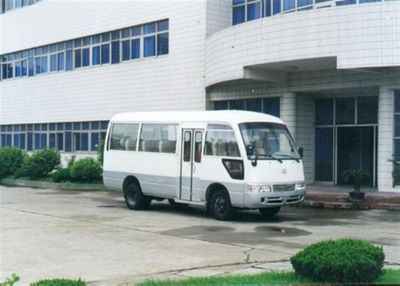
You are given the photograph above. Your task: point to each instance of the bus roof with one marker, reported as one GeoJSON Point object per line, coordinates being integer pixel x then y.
{"type": "Point", "coordinates": [229, 116]}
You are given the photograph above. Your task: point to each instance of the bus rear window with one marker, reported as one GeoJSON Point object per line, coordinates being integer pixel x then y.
{"type": "Point", "coordinates": [124, 137]}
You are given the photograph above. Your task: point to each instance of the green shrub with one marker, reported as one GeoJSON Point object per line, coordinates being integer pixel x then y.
{"type": "Point", "coordinates": [86, 170]}
{"type": "Point", "coordinates": [10, 281]}
{"type": "Point", "coordinates": [59, 282]}
{"type": "Point", "coordinates": [40, 164]}
{"type": "Point", "coordinates": [11, 159]}
{"type": "Point", "coordinates": [100, 152]}
{"type": "Point", "coordinates": [340, 261]}
{"type": "Point", "coordinates": [61, 175]}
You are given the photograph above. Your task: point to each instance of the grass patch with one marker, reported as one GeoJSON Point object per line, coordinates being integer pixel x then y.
{"type": "Point", "coordinates": [389, 276]}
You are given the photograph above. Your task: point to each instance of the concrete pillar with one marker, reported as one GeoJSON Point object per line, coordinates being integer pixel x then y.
{"type": "Point", "coordinates": [288, 111]}
{"type": "Point", "coordinates": [385, 139]}
{"type": "Point", "coordinates": [305, 134]}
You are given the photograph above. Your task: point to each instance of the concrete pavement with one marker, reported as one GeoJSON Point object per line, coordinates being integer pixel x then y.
{"type": "Point", "coordinates": [92, 235]}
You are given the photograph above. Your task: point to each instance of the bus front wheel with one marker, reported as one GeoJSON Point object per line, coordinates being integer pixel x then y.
{"type": "Point", "coordinates": [269, 212]}
{"type": "Point", "coordinates": [220, 206]}
{"type": "Point", "coordinates": [135, 199]}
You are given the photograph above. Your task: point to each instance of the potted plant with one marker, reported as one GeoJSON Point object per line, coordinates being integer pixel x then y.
{"type": "Point", "coordinates": [357, 178]}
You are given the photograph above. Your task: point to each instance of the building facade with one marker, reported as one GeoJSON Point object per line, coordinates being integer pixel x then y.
{"type": "Point", "coordinates": [329, 69]}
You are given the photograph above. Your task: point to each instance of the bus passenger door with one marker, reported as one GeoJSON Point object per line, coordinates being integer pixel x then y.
{"type": "Point", "coordinates": [190, 184]}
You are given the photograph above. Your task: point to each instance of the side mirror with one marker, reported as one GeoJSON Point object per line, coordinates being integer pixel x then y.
{"type": "Point", "coordinates": [250, 150]}
{"type": "Point", "coordinates": [301, 151]}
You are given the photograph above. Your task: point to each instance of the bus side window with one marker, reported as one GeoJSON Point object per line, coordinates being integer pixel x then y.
{"type": "Point", "coordinates": [198, 138]}
{"type": "Point", "coordinates": [187, 146]}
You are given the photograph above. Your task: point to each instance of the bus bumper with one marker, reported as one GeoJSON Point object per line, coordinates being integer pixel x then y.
{"type": "Point", "coordinates": [264, 200]}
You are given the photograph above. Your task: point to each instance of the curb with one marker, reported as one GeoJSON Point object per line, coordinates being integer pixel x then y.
{"type": "Point", "coordinates": [51, 185]}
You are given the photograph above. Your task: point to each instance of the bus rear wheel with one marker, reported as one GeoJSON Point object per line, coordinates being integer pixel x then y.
{"type": "Point", "coordinates": [220, 206]}
{"type": "Point", "coordinates": [134, 198]}
{"type": "Point", "coordinates": [269, 212]}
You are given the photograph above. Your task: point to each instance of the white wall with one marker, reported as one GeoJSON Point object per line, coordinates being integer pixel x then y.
{"type": "Point", "coordinates": [359, 36]}
{"type": "Point", "coordinates": [170, 82]}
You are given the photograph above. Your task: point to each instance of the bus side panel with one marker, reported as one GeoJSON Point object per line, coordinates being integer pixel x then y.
{"type": "Point", "coordinates": [156, 172]}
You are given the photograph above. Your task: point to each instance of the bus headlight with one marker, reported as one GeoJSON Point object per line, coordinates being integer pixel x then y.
{"type": "Point", "coordinates": [259, 188]}
{"type": "Point", "coordinates": [300, 187]}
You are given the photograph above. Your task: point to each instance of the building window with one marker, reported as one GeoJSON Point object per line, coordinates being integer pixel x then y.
{"type": "Point", "coordinates": [136, 42]}
{"type": "Point", "coordinates": [7, 5]}
{"type": "Point", "coordinates": [396, 179]}
{"type": "Point", "coordinates": [266, 105]}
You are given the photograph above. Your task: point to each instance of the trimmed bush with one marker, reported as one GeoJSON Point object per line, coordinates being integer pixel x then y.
{"type": "Point", "coordinates": [40, 164]}
{"type": "Point", "coordinates": [340, 261]}
{"type": "Point", "coordinates": [61, 175]}
{"type": "Point", "coordinates": [59, 282]}
{"type": "Point", "coordinates": [11, 159]}
{"type": "Point", "coordinates": [86, 170]}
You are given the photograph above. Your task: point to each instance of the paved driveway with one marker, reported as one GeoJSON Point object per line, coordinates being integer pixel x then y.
{"type": "Point", "coordinates": [47, 233]}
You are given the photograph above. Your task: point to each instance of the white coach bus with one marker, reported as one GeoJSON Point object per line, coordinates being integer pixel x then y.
{"type": "Point", "coordinates": [225, 160]}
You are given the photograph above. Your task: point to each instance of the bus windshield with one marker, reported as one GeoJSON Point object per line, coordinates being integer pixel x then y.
{"type": "Point", "coordinates": [269, 141]}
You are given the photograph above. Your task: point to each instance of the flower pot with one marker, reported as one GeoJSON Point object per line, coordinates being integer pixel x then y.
{"type": "Point", "coordinates": [357, 196]}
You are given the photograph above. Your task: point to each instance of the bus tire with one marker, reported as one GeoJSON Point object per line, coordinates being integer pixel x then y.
{"type": "Point", "coordinates": [269, 212]}
{"type": "Point", "coordinates": [134, 198]}
{"type": "Point", "coordinates": [220, 206]}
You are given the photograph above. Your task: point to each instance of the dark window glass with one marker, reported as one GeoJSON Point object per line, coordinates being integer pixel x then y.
{"type": "Point", "coordinates": [30, 142]}
{"type": "Point", "coordinates": [85, 125]}
{"type": "Point", "coordinates": [253, 11]}
{"type": "Point", "coordinates": [16, 142]}
{"type": "Point", "coordinates": [78, 58]}
{"type": "Point", "coordinates": [149, 46]}
{"type": "Point", "coordinates": [17, 69]}
{"type": "Point", "coordinates": [52, 126]}
{"type": "Point", "coordinates": [162, 44]}
{"type": "Point", "coordinates": [77, 141]}
{"type": "Point", "coordinates": [15, 127]}
{"type": "Point", "coordinates": [78, 43]}
{"type": "Point", "coordinates": [324, 154]}
{"type": "Point", "coordinates": [105, 37]}
{"type": "Point", "coordinates": [135, 49]}
{"type": "Point", "coordinates": [149, 28]}
{"type": "Point", "coordinates": [105, 54]}
{"type": "Point", "coordinates": [238, 15]}
{"type": "Point", "coordinates": [60, 126]}
{"type": "Point", "coordinates": [69, 62]}
{"type": "Point", "coordinates": [301, 3]}
{"type": "Point", "coordinates": [267, 8]}
{"type": "Point", "coordinates": [345, 2]}
{"type": "Point", "coordinates": [126, 33]}
{"type": "Point", "coordinates": [94, 141]}
{"type": "Point", "coordinates": [68, 126]}
{"type": "Point", "coordinates": [44, 64]}
{"type": "Point", "coordinates": [397, 150]}
{"type": "Point", "coordinates": [187, 146]}
{"type": "Point", "coordinates": [9, 4]}
{"type": "Point", "coordinates": [52, 140]}
{"type": "Point", "coordinates": [84, 142]}
{"type": "Point", "coordinates": [220, 105]}
{"type": "Point", "coordinates": [94, 125]}
{"type": "Point", "coordinates": [254, 105]}
{"type": "Point", "coordinates": [115, 52]}
{"type": "Point", "coordinates": [198, 139]}
{"type": "Point", "coordinates": [272, 106]}
{"type": "Point", "coordinates": [126, 47]}
{"type": "Point", "coordinates": [104, 125]}
{"type": "Point", "coordinates": [22, 141]}
{"type": "Point", "coordinates": [61, 61]}
{"type": "Point", "coordinates": [31, 67]}
{"type": "Point", "coordinates": [96, 55]}
{"type": "Point", "coordinates": [324, 111]}
{"type": "Point", "coordinates": [85, 57]}
{"type": "Point", "coordinates": [289, 4]}
{"type": "Point", "coordinates": [4, 71]}
{"type": "Point", "coordinates": [18, 3]}
{"type": "Point", "coordinates": [68, 141]}
{"type": "Point", "coordinates": [24, 68]}
{"type": "Point", "coordinates": [235, 2]}
{"type": "Point", "coordinates": [162, 25]}
{"type": "Point", "coordinates": [367, 110]}
{"type": "Point", "coordinates": [69, 45]}
{"type": "Point", "coordinates": [23, 127]}
{"type": "Point", "coordinates": [136, 31]}
{"type": "Point", "coordinates": [276, 6]}
{"type": "Point", "coordinates": [10, 71]}
{"type": "Point", "coordinates": [345, 109]}
{"type": "Point", "coordinates": [397, 126]}
{"type": "Point", "coordinates": [236, 104]}
{"type": "Point", "coordinates": [96, 39]}
{"type": "Point", "coordinates": [158, 138]}
{"type": "Point", "coordinates": [43, 127]}
{"type": "Point", "coordinates": [38, 65]}
{"type": "Point", "coordinates": [115, 35]}
{"type": "Point", "coordinates": [77, 126]}
{"type": "Point", "coordinates": [397, 102]}
{"type": "Point", "coordinates": [37, 127]}
{"type": "Point", "coordinates": [60, 141]}
{"type": "Point", "coordinates": [53, 62]}
{"type": "Point", "coordinates": [221, 141]}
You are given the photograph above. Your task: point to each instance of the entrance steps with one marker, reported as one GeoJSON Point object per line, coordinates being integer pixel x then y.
{"type": "Point", "coordinates": [332, 197]}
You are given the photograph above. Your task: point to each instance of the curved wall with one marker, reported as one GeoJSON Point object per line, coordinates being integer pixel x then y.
{"type": "Point", "coordinates": [358, 36]}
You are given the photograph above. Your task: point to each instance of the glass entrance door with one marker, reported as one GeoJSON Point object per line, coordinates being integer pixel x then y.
{"type": "Point", "coordinates": [355, 151]}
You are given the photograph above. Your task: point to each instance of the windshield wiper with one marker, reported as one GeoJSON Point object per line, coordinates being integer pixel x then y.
{"type": "Point", "coordinates": [275, 158]}
{"type": "Point", "coordinates": [288, 156]}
